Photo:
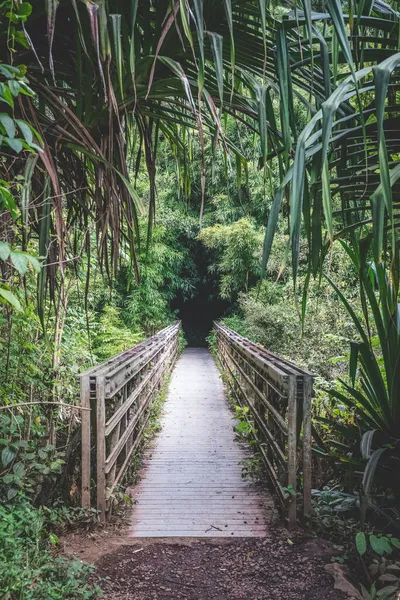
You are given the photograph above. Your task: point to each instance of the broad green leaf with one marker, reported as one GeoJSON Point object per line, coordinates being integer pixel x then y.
{"type": "Point", "coordinates": [4, 250]}
{"type": "Point", "coordinates": [11, 493]}
{"type": "Point", "coordinates": [20, 261]}
{"type": "Point", "coordinates": [366, 443]}
{"type": "Point", "coordinates": [380, 545]}
{"type": "Point", "coordinates": [19, 469]}
{"type": "Point", "coordinates": [7, 455]}
{"type": "Point", "coordinates": [15, 87]}
{"type": "Point", "coordinates": [361, 543]}
{"type": "Point", "coordinates": [10, 298]}
{"type": "Point", "coordinates": [26, 131]}
{"type": "Point", "coordinates": [6, 96]}
{"type": "Point", "coordinates": [369, 474]}
{"type": "Point", "coordinates": [8, 124]}
{"type": "Point", "coordinates": [15, 144]}
{"type": "Point", "coordinates": [25, 9]}
{"type": "Point", "coordinates": [34, 262]}
{"type": "Point", "coordinates": [387, 593]}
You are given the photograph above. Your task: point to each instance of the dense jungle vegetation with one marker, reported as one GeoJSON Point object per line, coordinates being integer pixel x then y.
{"type": "Point", "coordinates": [202, 160]}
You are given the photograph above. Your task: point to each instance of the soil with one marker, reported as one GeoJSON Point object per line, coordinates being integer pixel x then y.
{"type": "Point", "coordinates": [277, 567]}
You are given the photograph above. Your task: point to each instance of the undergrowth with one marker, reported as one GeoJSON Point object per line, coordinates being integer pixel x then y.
{"type": "Point", "coordinates": [29, 566]}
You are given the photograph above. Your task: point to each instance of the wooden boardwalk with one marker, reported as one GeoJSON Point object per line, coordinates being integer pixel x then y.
{"type": "Point", "coordinates": [191, 482]}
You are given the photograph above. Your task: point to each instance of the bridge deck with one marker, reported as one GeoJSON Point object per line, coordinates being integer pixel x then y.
{"type": "Point", "coordinates": [191, 482]}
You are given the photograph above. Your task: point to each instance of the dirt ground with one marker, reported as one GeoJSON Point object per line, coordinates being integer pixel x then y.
{"type": "Point", "coordinates": [278, 567]}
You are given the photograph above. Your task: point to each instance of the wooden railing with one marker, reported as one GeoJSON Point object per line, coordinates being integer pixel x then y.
{"type": "Point", "coordinates": [116, 397]}
{"type": "Point", "coordinates": [278, 395]}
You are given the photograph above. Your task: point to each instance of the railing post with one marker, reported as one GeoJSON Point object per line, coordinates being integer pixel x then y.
{"type": "Point", "coordinates": [307, 445]}
{"type": "Point", "coordinates": [101, 447]}
{"type": "Point", "coordinates": [292, 450]}
{"type": "Point", "coordinates": [86, 441]}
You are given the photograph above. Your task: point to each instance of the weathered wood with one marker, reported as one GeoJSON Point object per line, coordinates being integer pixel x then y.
{"type": "Point", "coordinates": [260, 421]}
{"type": "Point", "coordinates": [278, 394]}
{"type": "Point", "coordinates": [121, 410]}
{"type": "Point", "coordinates": [307, 444]}
{"type": "Point", "coordinates": [86, 441]}
{"type": "Point", "coordinates": [292, 451]}
{"type": "Point", "coordinates": [191, 483]}
{"type": "Point", "coordinates": [120, 393]}
{"type": "Point", "coordinates": [274, 413]}
{"type": "Point", "coordinates": [101, 447]}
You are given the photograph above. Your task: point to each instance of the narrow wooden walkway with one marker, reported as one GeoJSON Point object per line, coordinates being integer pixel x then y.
{"type": "Point", "coordinates": [191, 482]}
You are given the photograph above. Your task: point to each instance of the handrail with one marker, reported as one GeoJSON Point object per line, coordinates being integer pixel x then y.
{"type": "Point", "coordinates": [278, 395]}
{"type": "Point", "coordinates": [117, 396]}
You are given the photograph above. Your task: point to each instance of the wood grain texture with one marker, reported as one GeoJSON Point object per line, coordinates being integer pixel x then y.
{"type": "Point", "coordinates": [191, 483]}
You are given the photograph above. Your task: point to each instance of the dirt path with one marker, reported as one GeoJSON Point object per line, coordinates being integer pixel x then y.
{"type": "Point", "coordinates": [277, 567]}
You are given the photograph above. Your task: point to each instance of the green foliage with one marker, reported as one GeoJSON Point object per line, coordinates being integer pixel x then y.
{"type": "Point", "coordinates": [133, 94]}
{"type": "Point", "coordinates": [111, 336]}
{"type": "Point", "coordinates": [384, 570]}
{"type": "Point", "coordinates": [28, 570]}
{"type": "Point", "coordinates": [25, 465]}
{"type": "Point", "coordinates": [238, 249]}
{"type": "Point", "coordinates": [16, 135]}
{"type": "Point", "coordinates": [361, 543]}
{"type": "Point", "coordinates": [374, 399]}
{"type": "Point", "coordinates": [268, 315]}
{"type": "Point", "coordinates": [15, 15]}
{"type": "Point", "coordinates": [243, 428]}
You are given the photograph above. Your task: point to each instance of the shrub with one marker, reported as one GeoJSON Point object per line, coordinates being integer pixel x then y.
{"type": "Point", "coordinates": [28, 569]}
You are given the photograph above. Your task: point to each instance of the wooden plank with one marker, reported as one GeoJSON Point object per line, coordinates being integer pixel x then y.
{"type": "Point", "coordinates": [86, 441]}
{"type": "Point", "coordinates": [275, 373]}
{"type": "Point", "coordinates": [292, 450]}
{"type": "Point", "coordinates": [274, 413]}
{"type": "Point", "coordinates": [116, 417]}
{"type": "Point", "coordinates": [113, 361]}
{"type": "Point", "coordinates": [248, 344]}
{"type": "Point", "coordinates": [267, 462]}
{"type": "Point", "coordinates": [116, 450]}
{"type": "Point", "coordinates": [101, 448]}
{"type": "Point", "coordinates": [123, 372]}
{"type": "Point", "coordinates": [105, 380]}
{"type": "Point", "coordinates": [275, 448]}
{"type": "Point", "coordinates": [307, 446]}
{"type": "Point", "coordinates": [191, 478]}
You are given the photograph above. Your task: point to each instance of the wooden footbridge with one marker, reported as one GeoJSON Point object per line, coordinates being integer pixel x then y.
{"type": "Point", "coordinates": [191, 480]}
